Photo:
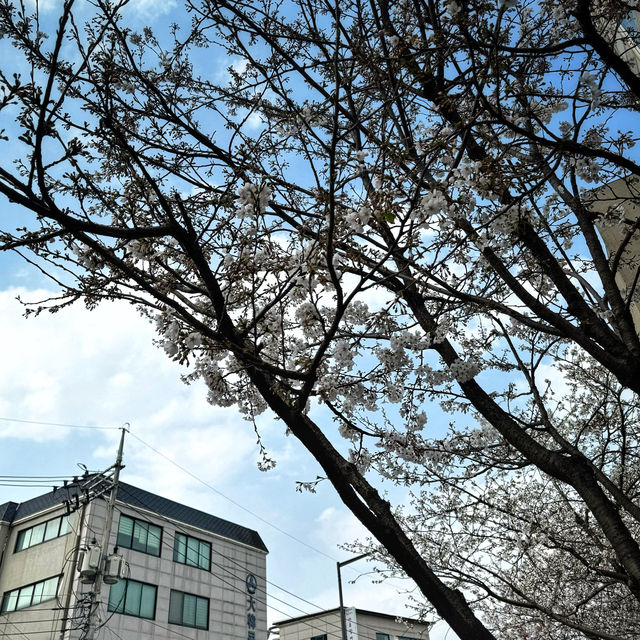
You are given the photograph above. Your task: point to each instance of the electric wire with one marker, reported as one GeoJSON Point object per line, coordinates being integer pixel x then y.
{"type": "Point", "coordinates": [212, 488]}
{"type": "Point", "coordinates": [231, 500]}
{"type": "Point", "coordinates": [163, 540]}
{"type": "Point", "coordinates": [58, 424]}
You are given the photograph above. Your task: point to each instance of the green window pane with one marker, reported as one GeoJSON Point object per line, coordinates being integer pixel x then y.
{"type": "Point", "coordinates": [52, 529]}
{"type": "Point", "coordinates": [193, 551]}
{"type": "Point", "coordinates": [148, 602]}
{"type": "Point", "coordinates": [189, 610]}
{"type": "Point", "coordinates": [50, 588]}
{"type": "Point", "coordinates": [37, 593]}
{"type": "Point", "coordinates": [205, 555]}
{"type": "Point", "coordinates": [24, 597]}
{"type": "Point", "coordinates": [125, 532]}
{"type": "Point", "coordinates": [10, 601]}
{"type": "Point", "coordinates": [153, 540]}
{"type": "Point", "coordinates": [382, 636]}
{"type": "Point", "coordinates": [116, 596]}
{"type": "Point", "coordinates": [65, 525]}
{"type": "Point", "coordinates": [140, 535]}
{"type": "Point", "coordinates": [24, 537]}
{"type": "Point", "coordinates": [132, 598]}
{"type": "Point", "coordinates": [180, 548]}
{"type": "Point", "coordinates": [37, 534]}
{"type": "Point", "coordinates": [202, 613]}
{"type": "Point", "coordinates": [175, 607]}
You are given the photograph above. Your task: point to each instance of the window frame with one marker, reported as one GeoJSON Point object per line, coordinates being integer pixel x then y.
{"type": "Point", "coordinates": [176, 592]}
{"type": "Point", "coordinates": [121, 606]}
{"type": "Point", "coordinates": [140, 523]}
{"type": "Point", "coordinates": [185, 538]}
{"type": "Point", "coordinates": [32, 586]}
{"type": "Point", "coordinates": [380, 635]}
{"type": "Point", "coordinates": [320, 637]}
{"type": "Point", "coordinates": [22, 533]}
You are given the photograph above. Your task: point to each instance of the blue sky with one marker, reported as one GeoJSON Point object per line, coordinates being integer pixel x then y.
{"type": "Point", "coordinates": [100, 370]}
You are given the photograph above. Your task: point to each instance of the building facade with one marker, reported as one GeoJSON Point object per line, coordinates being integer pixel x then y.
{"type": "Point", "coordinates": [185, 573]}
{"type": "Point", "coordinates": [359, 625]}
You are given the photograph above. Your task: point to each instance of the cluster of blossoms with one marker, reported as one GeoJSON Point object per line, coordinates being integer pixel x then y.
{"type": "Point", "coordinates": [175, 339]}
{"type": "Point", "coordinates": [590, 83]}
{"type": "Point", "coordinates": [252, 199]}
{"type": "Point", "coordinates": [356, 220]}
{"type": "Point", "coordinates": [87, 257]}
{"type": "Point", "coordinates": [140, 250]}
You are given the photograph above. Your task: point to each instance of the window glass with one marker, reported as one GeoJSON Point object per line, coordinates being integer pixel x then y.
{"type": "Point", "coordinates": [153, 540]}
{"type": "Point", "coordinates": [116, 596]}
{"type": "Point", "coordinates": [188, 610]}
{"type": "Point", "coordinates": [191, 551]}
{"type": "Point", "coordinates": [180, 548]}
{"type": "Point", "coordinates": [50, 588]}
{"type": "Point", "coordinates": [175, 607]}
{"type": "Point", "coordinates": [382, 636]}
{"type": "Point", "coordinates": [24, 539]}
{"type": "Point", "coordinates": [322, 637]}
{"type": "Point", "coordinates": [37, 533]}
{"type": "Point", "coordinates": [42, 532]}
{"type": "Point", "coordinates": [65, 525]}
{"type": "Point", "coordinates": [30, 594]}
{"type": "Point", "coordinates": [24, 597]}
{"type": "Point", "coordinates": [140, 533]}
{"type": "Point", "coordinates": [205, 555]}
{"type": "Point", "coordinates": [148, 601]}
{"type": "Point", "coordinates": [125, 532]}
{"type": "Point", "coordinates": [202, 613]}
{"type": "Point", "coordinates": [133, 597]}
{"type": "Point", "coordinates": [52, 529]}
{"type": "Point", "coordinates": [10, 601]}
{"type": "Point", "coordinates": [37, 593]}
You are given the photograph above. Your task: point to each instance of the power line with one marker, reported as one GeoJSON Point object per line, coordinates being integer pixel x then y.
{"type": "Point", "coordinates": [163, 540]}
{"type": "Point", "coordinates": [57, 424]}
{"type": "Point", "coordinates": [237, 504]}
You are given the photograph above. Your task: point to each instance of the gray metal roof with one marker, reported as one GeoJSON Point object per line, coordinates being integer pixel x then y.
{"type": "Point", "coordinates": [128, 494]}
{"type": "Point", "coordinates": [180, 512]}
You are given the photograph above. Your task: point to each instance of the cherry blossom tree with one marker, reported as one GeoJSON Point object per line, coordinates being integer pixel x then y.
{"type": "Point", "coordinates": [380, 208]}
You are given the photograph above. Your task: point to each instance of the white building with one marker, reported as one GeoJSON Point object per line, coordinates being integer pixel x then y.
{"type": "Point", "coordinates": [359, 625]}
{"type": "Point", "coordinates": [188, 574]}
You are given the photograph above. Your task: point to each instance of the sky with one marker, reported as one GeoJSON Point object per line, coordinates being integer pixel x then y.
{"type": "Point", "coordinates": [70, 380]}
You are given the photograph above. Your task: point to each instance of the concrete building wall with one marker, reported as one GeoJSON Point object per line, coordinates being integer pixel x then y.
{"type": "Point", "coordinates": [225, 586]}
{"type": "Point", "coordinates": [34, 564]}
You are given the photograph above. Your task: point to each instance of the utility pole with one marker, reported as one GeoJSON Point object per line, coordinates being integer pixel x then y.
{"type": "Point", "coordinates": [106, 534]}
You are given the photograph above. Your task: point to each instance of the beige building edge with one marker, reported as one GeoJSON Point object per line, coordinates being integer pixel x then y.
{"type": "Point", "coordinates": [186, 574]}
{"type": "Point", "coordinates": [360, 625]}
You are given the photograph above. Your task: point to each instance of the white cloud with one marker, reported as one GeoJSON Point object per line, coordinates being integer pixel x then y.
{"type": "Point", "coordinates": [101, 368]}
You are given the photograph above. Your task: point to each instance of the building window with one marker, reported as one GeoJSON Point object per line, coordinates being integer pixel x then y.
{"type": "Point", "coordinates": [139, 535]}
{"type": "Point", "coordinates": [133, 598]}
{"type": "Point", "coordinates": [406, 638]}
{"type": "Point", "coordinates": [322, 637]}
{"type": "Point", "coordinates": [42, 532]}
{"type": "Point", "coordinates": [188, 610]}
{"type": "Point", "coordinates": [30, 595]}
{"type": "Point", "coordinates": [191, 551]}
{"type": "Point", "coordinates": [382, 636]}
